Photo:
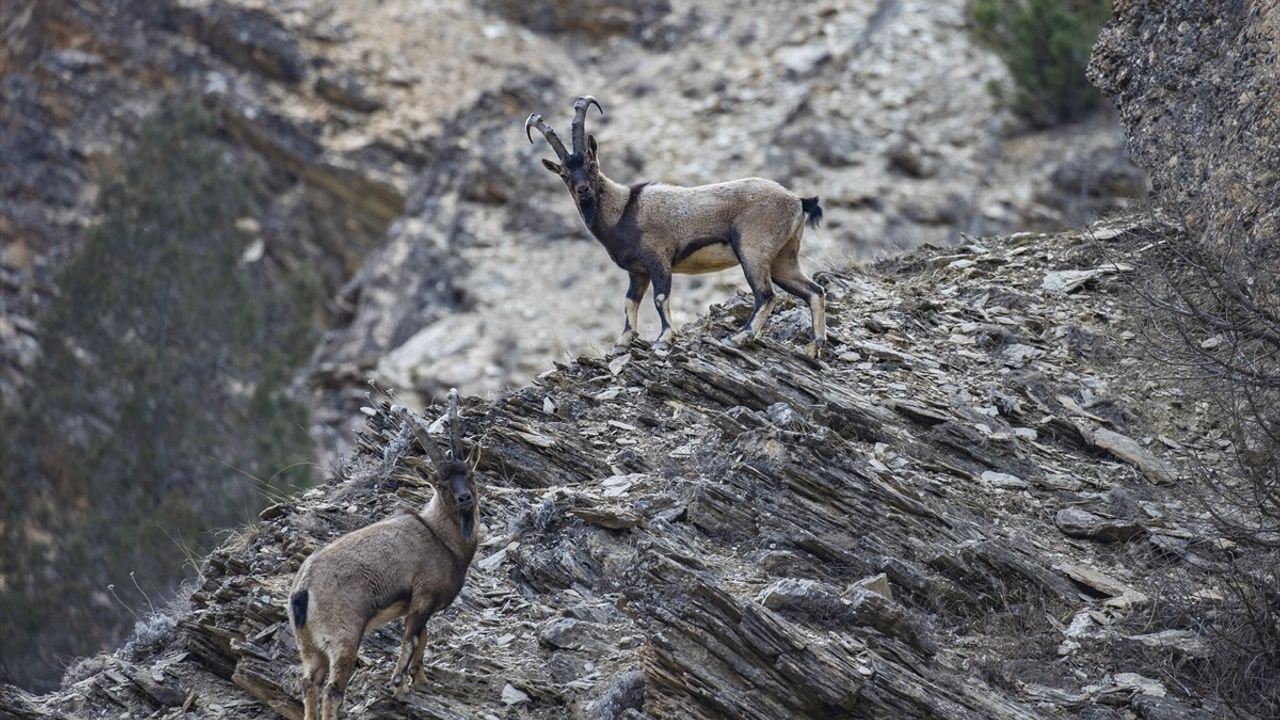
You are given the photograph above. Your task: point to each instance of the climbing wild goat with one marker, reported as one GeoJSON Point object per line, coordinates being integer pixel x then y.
{"type": "Point", "coordinates": [652, 230]}
{"type": "Point", "coordinates": [410, 565]}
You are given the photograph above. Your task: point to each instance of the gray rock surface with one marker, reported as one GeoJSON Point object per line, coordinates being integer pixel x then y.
{"type": "Point", "coordinates": [700, 535]}
{"type": "Point", "coordinates": [1198, 89]}
{"type": "Point", "coordinates": [398, 172]}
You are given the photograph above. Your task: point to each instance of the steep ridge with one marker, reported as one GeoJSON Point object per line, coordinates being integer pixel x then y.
{"type": "Point", "coordinates": [964, 512]}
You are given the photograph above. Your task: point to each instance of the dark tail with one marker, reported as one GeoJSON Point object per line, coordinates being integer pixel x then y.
{"type": "Point", "coordinates": [812, 209]}
{"type": "Point", "coordinates": [298, 608]}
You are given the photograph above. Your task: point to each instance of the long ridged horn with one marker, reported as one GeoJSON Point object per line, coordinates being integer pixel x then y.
{"type": "Point", "coordinates": [455, 447]}
{"type": "Point", "coordinates": [535, 121]}
{"type": "Point", "coordinates": [578, 132]}
{"type": "Point", "coordinates": [420, 432]}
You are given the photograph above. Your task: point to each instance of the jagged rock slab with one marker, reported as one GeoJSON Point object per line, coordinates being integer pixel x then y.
{"type": "Point", "coordinates": [1078, 523]}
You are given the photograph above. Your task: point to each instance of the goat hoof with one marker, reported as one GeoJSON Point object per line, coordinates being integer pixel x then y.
{"type": "Point", "coordinates": [401, 685]}
{"type": "Point", "coordinates": [661, 348]}
{"type": "Point", "coordinates": [813, 350]}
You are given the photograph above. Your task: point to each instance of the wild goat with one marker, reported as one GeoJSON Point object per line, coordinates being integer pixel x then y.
{"type": "Point", "coordinates": [411, 565]}
{"type": "Point", "coordinates": [652, 230]}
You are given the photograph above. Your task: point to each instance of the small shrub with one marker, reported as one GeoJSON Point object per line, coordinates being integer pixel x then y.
{"type": "Point", "coordinates": [1045, 45]}
{"type": "Point", "coordinates": [1212, 292]}
{"type": "Point", "coordinates": [150, 635]}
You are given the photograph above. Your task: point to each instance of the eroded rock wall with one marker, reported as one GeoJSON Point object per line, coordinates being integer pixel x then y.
{"type": "Point", "coordinates": [1197, 86]}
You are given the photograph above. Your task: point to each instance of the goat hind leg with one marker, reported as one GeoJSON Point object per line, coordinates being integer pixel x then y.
{"type": "Point", "coordinates": [789, 277]}
{"type": "Point", "coordinates": [315, 666]}
{"type": "Point", "coordinates": [762, 291]}
{"type": "Point", "coordinates": [342, 663]}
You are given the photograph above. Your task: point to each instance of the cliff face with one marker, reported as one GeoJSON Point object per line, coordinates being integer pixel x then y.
{"type": "Point", "coordinates": [1198, 89]}
{"type": "Point", "coordinates": [965, 512]}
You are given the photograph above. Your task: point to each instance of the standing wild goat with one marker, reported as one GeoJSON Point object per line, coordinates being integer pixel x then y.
{"type": "Point", "coordinates": [410, 565]}
{"type": "Point", "coordinates": [652, 230]}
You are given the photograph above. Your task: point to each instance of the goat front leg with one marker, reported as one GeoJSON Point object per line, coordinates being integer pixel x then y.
{"type": "Point", "coordinates": [415, 666]}
{"type": "Point", "coordinates": [635, 294]}
{"type": "Point", "coordinates": [662, 301]}
{"type": "Point", "coordinates": [415, 635]}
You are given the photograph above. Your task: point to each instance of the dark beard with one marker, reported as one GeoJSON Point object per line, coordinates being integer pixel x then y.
{"type": "Point", "coordinates": [588, 210]}
{"type": "Point", "coordinates": [468, 524]}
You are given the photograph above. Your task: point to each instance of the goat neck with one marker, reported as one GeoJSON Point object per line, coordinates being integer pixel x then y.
{"type": "Point", "coordinates": [444, 517]}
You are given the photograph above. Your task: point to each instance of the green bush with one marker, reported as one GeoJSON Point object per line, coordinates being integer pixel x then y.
{"type": "Point", "coordinates": [1045, 45]}
{"type": "Point", "coordinates": [158, 411]}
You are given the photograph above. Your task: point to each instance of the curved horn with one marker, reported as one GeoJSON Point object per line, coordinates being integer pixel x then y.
{"type": "Point", "coordinates": [420, 432]}
{"type": "Point", "coordinates": [455, 447]}
{"type": "Point", "coordinates": [535, 121]}
{"type": "Point", "coordinates": [579, 117]}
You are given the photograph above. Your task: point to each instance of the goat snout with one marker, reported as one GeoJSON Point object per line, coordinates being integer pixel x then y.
{"type": "Point", "coordinates": [465, 501]}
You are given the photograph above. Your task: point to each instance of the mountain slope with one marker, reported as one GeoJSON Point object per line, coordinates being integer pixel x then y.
{"type": "Point", "coordinates": [960, 514]}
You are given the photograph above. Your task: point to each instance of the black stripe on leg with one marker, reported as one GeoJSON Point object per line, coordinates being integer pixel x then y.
{"type": "Point", "coordinates": [804, 292]}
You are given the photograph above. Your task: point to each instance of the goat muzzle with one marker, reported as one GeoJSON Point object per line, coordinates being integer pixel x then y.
{"type": "Point", "coordinates": [466, 503]}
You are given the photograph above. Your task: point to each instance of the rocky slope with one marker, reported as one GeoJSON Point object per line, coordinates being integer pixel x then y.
{"type": "Point", "coordinates": [396, 128]}
{"type": "Point", "coordinates": [965, 512]}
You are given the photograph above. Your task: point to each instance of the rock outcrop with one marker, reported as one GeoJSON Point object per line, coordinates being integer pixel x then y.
{"type": "Point", "coordinates": [924, 525]}
{"type": "Point", "coordinates": [1198, 90]}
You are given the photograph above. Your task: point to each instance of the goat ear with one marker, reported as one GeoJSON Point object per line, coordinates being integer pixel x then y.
{"type": "Point", "coordinates": [591, 147]}
{"type": "Point", "coordinates": [552, 166]}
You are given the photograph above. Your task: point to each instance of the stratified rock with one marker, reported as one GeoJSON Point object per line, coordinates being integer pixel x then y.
{"type": "Point", "coordinates": [251, 38]}
{"type": "Point", "coordinates": [1065, 281]}
{"type": "Point", "coordinates": [911, 157]}
{"type": "Point", "coordinates": [347, 91]}
{"type": "Point", "coordinates": [1102, 173]}
{"type": "Point", "coordinates": [593, 18]}
{"type": "Point", "coordinates": [1078, 523]}
{"type": "Point", "coordinates": [512, 695]}
{"type": "Point", "coordinates": [1183, 643]}
{"type": "Point", "coordinates": [625, 694]}
{"type": "Point", "coordinates": [728, 532]}
{"type": "Point", "coordinates": [1187, 77]}
{"type": "Point", "coordinates": [1129, 450]}
{"type": "Point", "coordinates": [802, 595]}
